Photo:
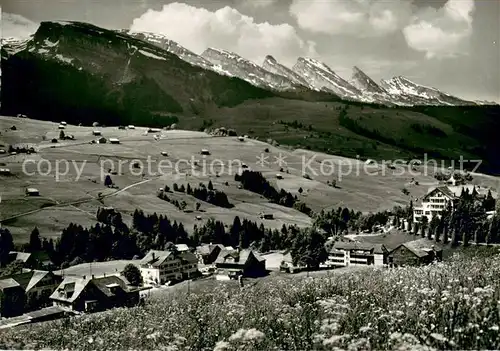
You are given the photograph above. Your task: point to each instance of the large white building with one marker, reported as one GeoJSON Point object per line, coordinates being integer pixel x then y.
{"type": "Point", "coordinates": [159, 267]}
{"type": "Point", "coordinates": [437, 198]}
{"type": "Point", "coordinates": [345, 254]}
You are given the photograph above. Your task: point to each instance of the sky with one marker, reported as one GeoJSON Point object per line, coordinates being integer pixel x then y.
{"type": "Point", "coordinates": [453, 45]}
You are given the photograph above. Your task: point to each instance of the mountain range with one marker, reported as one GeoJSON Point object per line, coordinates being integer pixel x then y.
{"type": "Point", "coordinates": [81, 73]}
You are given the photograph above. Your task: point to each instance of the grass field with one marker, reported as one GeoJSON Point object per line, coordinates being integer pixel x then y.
{"type": "Point", "coordinates": [452, 306]}
{"type": "Point", "coordinates": [73, 195]}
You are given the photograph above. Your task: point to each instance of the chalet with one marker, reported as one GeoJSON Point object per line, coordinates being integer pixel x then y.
{"type": "Point", "coordinates": [131, 126]}
{"type": "Point", "coordinates": [416, 252]}
{"type": "Point", "coordinates": [96, 133]}
{"type": "Point", "coordinates": [207, 254]}
{"type": "Point", "coordinates": [344, 254]}
{"type": "Point", "coordinates": [240, 138]}
{"type": "Point", "coordinates": [266, 216]}
{"type": "Point", "coordinates": [32, 192]}
{"type": "Point", "coordinates": [12, 298]}
{"type": "Point", "coordinates": [102, 140]}
{"type": "Point", "coordinates": [94, 294]}
{"type": "Point", "coordinates": [2, 151]}
{"type": "Point", "coordinates": [182, 247]}
{"type": "Point", "coordinates": [164, 153]}
{"type": "Point", "coordinates": [61, 126]}
{"type": "Point", "coordinates": [37, 286]}
{"type": "Point", "coordinates": [205, 152]}
{"type": "Point", "coordinates": [279, 176]}
{"type": "Point", "coordinates": [114, 140]}
{"type": "Point", "coordinates": [5, 171]}
{"type": "Point", "coordinates": [63, 123]}
{"type": "Point", "coordinates": [230, 264]}
{"type": "Point", "coordinates": [159, 267]}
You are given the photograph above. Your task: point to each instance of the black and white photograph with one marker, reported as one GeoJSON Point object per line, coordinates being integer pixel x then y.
{"type": "Point", "coordinates": [249, 175]}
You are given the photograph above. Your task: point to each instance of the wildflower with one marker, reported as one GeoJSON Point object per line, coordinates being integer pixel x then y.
{"type": "Point", "coordinates": [222, 346]}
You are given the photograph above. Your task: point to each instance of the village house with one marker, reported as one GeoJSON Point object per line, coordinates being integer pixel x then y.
{"type": "Point", "coordinates": [37, 287]}
{"type": "Point", "coordinates": [416, 252]}
{"type": "Point", "coordinates": [344, 254]}
{"type": "Point", "coordinates": [28, 259]}
{"type": "Point", "coordinates": [288, 266]}
{"type": "Point", "coordinates": [159, 267]}
{"type": "Point", "coordinates": [89, 294]}
{"type": "Point", "coordinates": [207, 254]}
{"type": "Point", "coordinates": [437, 199]}
{"type": "Point", "coordinates": [114, 140]}
{"type": "Point", "coordinates": [32, 192]}
{"type": "Point", "coordinates": [230, 264]}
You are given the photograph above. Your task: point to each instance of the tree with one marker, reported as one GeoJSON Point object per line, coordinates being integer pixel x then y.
{"type": "Point", "coordinates": [12, 268]}
{"type": "Point", "coordinates": [300, 190]}
{"type": "Point", "coordinates": [132, 274]}
{"type": "Point", "coordinates": [107, 181]}
{"type": "Point", "coordinates": [182, 189]}
{"type": "Point", "coordinates": [210, 185]}
{"type": "Point", "coordinates": [35, 241]}
{"type": "Point", "coordinates": [309, 248]}
{"type": "Point", "coordinates": [175, 187]}
{"type": "Point", "coordinates": [6, 246]}
{"type": "Point", "coordinates": [198, 205]}
{"type": "Point", "coordinates": [62, 136]}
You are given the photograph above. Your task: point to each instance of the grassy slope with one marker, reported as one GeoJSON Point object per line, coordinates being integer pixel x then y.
{"type": "Point", "coordinates": [450, 305]}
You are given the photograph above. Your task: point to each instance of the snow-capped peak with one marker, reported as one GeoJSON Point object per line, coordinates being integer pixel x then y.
{"type": "Point", "coordinates": [273, 66]}
{"type": "Point", "coordinates": [364, 83]}
{"type": "Point", "coordinates": [245, 69]}
{"type": "Point", "coordinates": [322, 77]}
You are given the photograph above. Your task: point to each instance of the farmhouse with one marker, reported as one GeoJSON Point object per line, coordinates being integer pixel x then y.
{"type": "Point", "coordinates": [94, 294]}
{"type": "Point", "coordinates": [279, 176]}
{"type": "Point", "coordinates": [63, 123]}
{"type": "Point", "coordinates": [240, 138]}
{"type": "Point", "coordinates": [164, 153]}
{"type": "Point", "coordinates": [266, 216]}
{"type": "Point", "coordinates": [114, 140]}
{"type": "Point", "coordinates": [207, 254]}
{"type": "Point", "coordinates": [32, 192]}
{"type": "Point", "coordinates": [205, 152]}
{"type": "Point", "coordinates": [61, 126]}
{"type": "Point", "coordinates": [5, 171]}
{"type": "Point", "coordinates": [2, 151]}
{"type": "Point", "coordinates": [158, 267]}
{"type": "Point", "coordinates": [344, 254]}
{"type": "Point", "coordinates": [131, 126]}
{"type": "Point", "coordinates": [182, 247]}
{"type": "Point", "coordinates": [416, 252]}
{"type": "Point", "coordinates": [231, 264]}
{"type": "Point", "coordinates": [102, 140]}
{"type": "Point", "coordinates": [37, 287]}
{"type": "Point", "coordinates": [288, 266]}
{"type": "Point", "coordinates": [26, 258]}
{"type": "Point", "coordinates": [96, 132]}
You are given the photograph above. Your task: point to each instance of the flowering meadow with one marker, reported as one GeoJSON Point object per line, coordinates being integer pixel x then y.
{"type": "Point", "coordinates": [450, 305]}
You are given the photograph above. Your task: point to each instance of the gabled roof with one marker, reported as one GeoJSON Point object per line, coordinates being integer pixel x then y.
{"type": "Point", "coordinates": [421, 247]}
{"type": "Point", "coordinates": [182, 247]}
{"type": "Point", "coordinates": [8, 283]}
{"type": "Point", "coordinates": [376, 248]}
{"type": "Point", "coordinates": [77, 286]}
{"type": "Point", "coordinates": [155, 258]}
{"type": "Point", "coordinates": [19, 256]}
{"type": "Point", "coordinates": [207, 249]}
{"type": "Point", "coordinates": [188, 256]}
{"type": "Point", "coordinates": [36, 278]}
{"type": "Point", "coordinates": [240, 257]}
{"type": "Point", "coordinates": [442, 189]}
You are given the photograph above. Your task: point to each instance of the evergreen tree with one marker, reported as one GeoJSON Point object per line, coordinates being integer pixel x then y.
{"type": "Point", "coordinates": [35, 244]}
{"type": "Point", "coordinates": [210, 185]}
{"type": "Point", "coordinates": [107, 181]}
{"type": "Point", "coordinates": [62, 136]}
{"type": "Point", "coordinates": [132, 274]}
{"type": "Point", "coordinates": [309, 248]}
{"type": "Point", "coordinates": [6, 246]}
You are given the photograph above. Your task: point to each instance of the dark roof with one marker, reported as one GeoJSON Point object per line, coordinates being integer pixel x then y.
{"type": "Point", "coordinates": [155, 258]}
{"type": "Point", "coordinates": [376, 248]}
{"type": "Point", "coordinates": [207, 249]}
{"type": "Point", "coordinates": [19, 256]}
{"type": "Point", "coordinates": [188, 256]}
{"type": "Point", "coordinates": [237, 257]}
{"type": "Point", "coordinates": [421, 247]}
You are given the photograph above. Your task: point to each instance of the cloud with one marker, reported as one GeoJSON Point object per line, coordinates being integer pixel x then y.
{"type": "Point", "coordinates": [198, 28]}
{"type": "Point", "coordinates": [259, 3]}
{"type": "Point", "coordinates": [16, 26]}
{"type": "Point", "coordinates": [442, 32]}
{"type": "Point", "coordinates": [363, 18]}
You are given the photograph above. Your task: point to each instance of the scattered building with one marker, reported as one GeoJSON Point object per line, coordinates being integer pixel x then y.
{"type": "Point", "coordinates": [96, 132]}
{"type": "Point", "coordinates": [416, 252]}
{"type": "Point", "coordinates": [241, 138]}
{"type": "Point", "coordinates": [288, 266]}
{"type": "Point", "coordinates": [32, 192]}
{"type": "Point", "coordinates": [182, 247]}
{"type": "Point", "coordinates": [231, 264]}
{"type": "Point", "coordinates": [26, 258]}
{"type": "Point", "coordinates": [5, 171]}
{"type": "Point", "coordinates": [207, 254]}
{"type": "Point", "coordinates": [266, 216]}
{"type": "Point", "coordinates": [205, 152]}
{"type": "Point", "coordinates": [344, 254]}
{"type": "Point", "coordinates": [63, 123]}
{"type": "Point", "coordinates": [102, 140]}
{"type": "Point", "coordinates": [114, 140]}
{"type": "Point", "coordinates": [2, 151]}
{"type": "Point", "coordinates": [159, 267]}
{"type": "Point", "coordinates": [61, 126]}
{"type": "Point", "coordinates": [279, 176]}
{"type": "Point", "coordinates": [131, 126]}
{"type": "Point", "coordinates": [37, 287]}
{"type": "Point", "coordinates": [95, 294]}
{"type": "Point", "coordinates": [164, 153]}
